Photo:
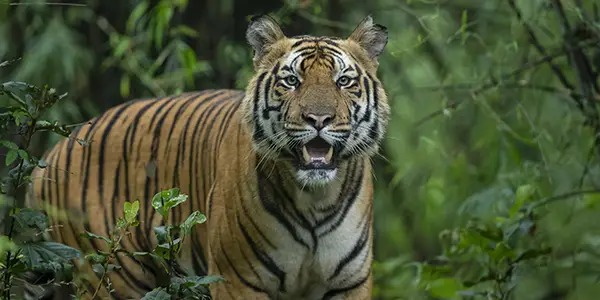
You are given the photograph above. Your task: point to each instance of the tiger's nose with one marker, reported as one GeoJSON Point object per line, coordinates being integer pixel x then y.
{"type": "Point", "coordinates": [318, 121]}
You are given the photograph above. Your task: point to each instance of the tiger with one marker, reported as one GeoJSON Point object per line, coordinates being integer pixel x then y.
{"type": "Point", "coordinates": [282, 170]}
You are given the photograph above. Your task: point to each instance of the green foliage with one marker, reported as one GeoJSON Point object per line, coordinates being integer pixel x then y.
{"type": "Point", "coordinates": [487, 183]}
{"type": "Point", "coordinates": [169, 242]}
{"type": "Point", "coordinates": [20, 247]}
{"type": "Point", "coordinates": [147, 30]}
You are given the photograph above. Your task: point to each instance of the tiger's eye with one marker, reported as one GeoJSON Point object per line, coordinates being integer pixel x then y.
{"type": "Point", "coordinates": [343, 81]}
{"type": "Point", "coordinates": [291, 80]}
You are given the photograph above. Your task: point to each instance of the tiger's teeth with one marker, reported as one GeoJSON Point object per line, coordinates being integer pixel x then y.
{"type": "Point", "coordinates": [305, 155]}
{"type": "Point", "coordinates": [329, 155]}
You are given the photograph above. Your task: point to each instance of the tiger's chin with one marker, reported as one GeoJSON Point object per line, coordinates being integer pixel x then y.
{"type": "Point", "coordinates": [316, 163]}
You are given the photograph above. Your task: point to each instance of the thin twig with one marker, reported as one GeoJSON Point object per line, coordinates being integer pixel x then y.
{"type": "Point", "coordinates": [494, 83]}
{"type": "Point", "coordinates": [538, 46]}
{"type": "Point", "coordinates": [549, 200]}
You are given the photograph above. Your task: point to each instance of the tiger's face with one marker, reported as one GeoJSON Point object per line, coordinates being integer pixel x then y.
{"type": "Point", "coordinates": [316, 101]}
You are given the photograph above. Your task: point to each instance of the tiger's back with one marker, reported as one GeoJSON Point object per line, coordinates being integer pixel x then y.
{"type": "Point", "coordinates": [135, 150]}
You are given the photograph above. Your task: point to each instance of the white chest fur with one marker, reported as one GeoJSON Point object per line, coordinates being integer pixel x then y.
{"type": "Point", "coordinates": [327, 251]}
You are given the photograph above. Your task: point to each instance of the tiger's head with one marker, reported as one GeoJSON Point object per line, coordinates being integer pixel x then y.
{"type": "Point", "coordinates": [315, 101]}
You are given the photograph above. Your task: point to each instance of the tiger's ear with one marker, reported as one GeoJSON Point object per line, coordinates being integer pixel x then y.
{"type": "Point", "coordinates": [371, 37]}
{"type": "Point", "coordinates": [263, 31]}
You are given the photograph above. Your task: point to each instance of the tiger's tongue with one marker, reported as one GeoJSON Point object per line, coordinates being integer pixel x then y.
{"type": "Point", "coordinates": [317, 152]}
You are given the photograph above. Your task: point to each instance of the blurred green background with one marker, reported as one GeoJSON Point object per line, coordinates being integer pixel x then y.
{"type": "Point", "coordinates": [487, 184]}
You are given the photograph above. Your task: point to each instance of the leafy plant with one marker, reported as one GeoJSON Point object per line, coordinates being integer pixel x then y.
{"type": "Point", "coordinates": [21, 248]}
{"type": "Point", "coordinates": [170, 239]}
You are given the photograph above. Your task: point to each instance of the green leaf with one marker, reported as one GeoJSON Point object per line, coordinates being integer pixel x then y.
{"type": "Point", "coordinates": [88, 235]}
{"type": "Point", "coordinates": [10, 145]}
{"type": "Point", "coordinates": [48, 255]}
{"type": "Point", "coordinates": [131, 210]}
{"type": "Point", "coordinates": [11, 155]}
{"type": "Point", "coordinates": [31, 218]}
{"type": "Point", "coordinates": [157, 294]}
{"type": "Point", "coordinates": [164, 250]}
{"type": "Point", "coordinates": [100, 270]}
{"type": "Point", "coordinates": [6, 245]}
{"type": "Point", "coordinates": [195, 218]}
{"type": "Point", "coordinates": [533, 253]}
{"type": "Point", "coordinates": [524, 194]}
{"type": "Point", "coordinates": [138, 12]}
{"type": "Point", "coordinates": [161, 233]}
{"type": "Point", "coordinates": [445, 288]}
{"type": "Point", "coordinates": [165, 200]}
{"type": "Point", "coordinates": [502, 251]}
{"type": "Point", "coordinates": [23, 154]}
{"type": "Point", "coordinates": [184, 30]}
{"type": "Point", "coordinates": [96, 258]}
{"type": "Point", "coordinates": [18, 268]}
{"type": "Point", "coordinates": [121, 47]}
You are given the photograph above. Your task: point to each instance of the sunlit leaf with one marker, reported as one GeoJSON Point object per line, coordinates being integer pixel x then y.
{"type": "Point", "coordinates": [195, 218]}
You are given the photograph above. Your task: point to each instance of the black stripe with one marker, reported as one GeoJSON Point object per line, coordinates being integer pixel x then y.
{"type": "Point", "coordinates": [263, 257]}
{"type": "Point", "coordinates": [367, 115]}
{"type": "Point", "coordinates": [208, 180]}
{"type": "Point", "coordinates": [66, 189]}
{"type": "Point", "coordinates": [141, 242]}
{"type": "Point", "coordinates": [354, 187]}
{"type": "Point", "coordinates": [182, 145]}
{"type": "Point", "coordinates": [195, 164]}
{"type": "Point", "coordinates": [335, 51]}
{"type": "Point", "coordinates": [300, 42]}
{"type": "Point", "coordinates": [251, 265]}
{"type": "Point", "coordinates": [256, 227]}
{"type": "Point", "coordinates": [373, 132]}
{"type": "Point", "coordinates": [358, 70]}
{"type": "Point", "coordinates": [353, 254]}
{"type": "Point", "coordinates": [281, 193]}
{"type": "Point", "coordinates": [267, 89]}
{"type": "Point", "coordinates": [331, 211]}
{"type": "Point", "coordinates": [153, 158]}
{"type": "Point", "coordinates": [237, 273]}
{"type": "Point", "coordinates": [332, 293]}
{"type": "Point", "coordinates": [183, 106]}
{"type": "Point", "coordinates": [105, 133]}
{"type": "Point", "coordinates": [85, 169]}
{"type": "Point", "coordinates": [163, 105]}
{"type": "Point", "coordinates": [272, 208]}
{"type": "Point", "coordinates": [259, 134]}
{"type": "Point", "coordinates": [310, 39]}
{"type": "Point", "coordinates": [227, 119]}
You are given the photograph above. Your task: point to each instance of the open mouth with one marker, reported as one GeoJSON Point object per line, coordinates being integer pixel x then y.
{"type": "Point", "coordinates": [316, 154]}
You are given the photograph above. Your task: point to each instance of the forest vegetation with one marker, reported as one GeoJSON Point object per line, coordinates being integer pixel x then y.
{"type": "Point", "coordinates": [488, 183]}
